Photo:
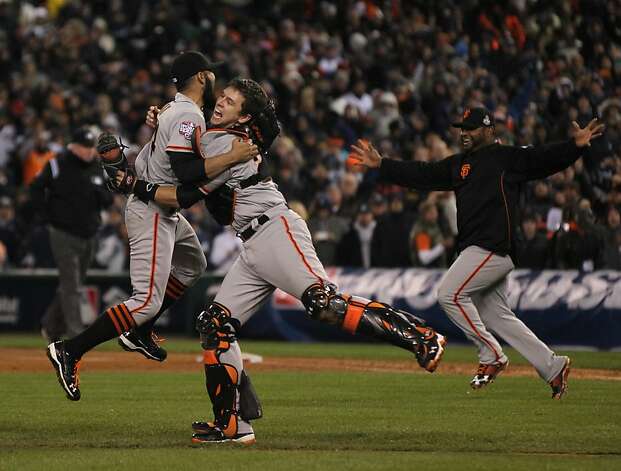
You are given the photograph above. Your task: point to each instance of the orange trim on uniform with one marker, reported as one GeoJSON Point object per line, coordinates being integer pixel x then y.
{"type": "Point", "coordinates": [502, 189]}
{"type": "Point", "coordinates": [463, 312]}
{"type": "Point", "coordinates": [209, 357]}
{"type": "Point", "coordinates": [153, 257]}
{"type": "Point", "coordinates": [297, 247]}
{"type": "Point", "coordinates": [175, 281]}
{"type": "Point", "coordinates": [112, 317]}
{"type": "Point", "coordinates": [121, 317]}
{"type": "Point", "coordinates": [352, 318]}
{"type": "Point", "coordinates": [172, 289]}
{"type": "Point", "coordinates": [122, 323]}
{"type": "Point", "coordinates": [172, 295]}
{"type": "Point", "coordinates": [228, 131]}
{"type": "Point", "coordinates": [128, 316]}
{"type": "Point", "coordinates": [179, 148]}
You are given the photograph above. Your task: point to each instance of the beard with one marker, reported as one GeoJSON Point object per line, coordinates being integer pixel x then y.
{"type": "Point", "coordinates": [209, 101]}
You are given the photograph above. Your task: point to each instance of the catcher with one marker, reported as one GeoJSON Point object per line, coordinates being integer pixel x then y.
{"type": "Point", "coordinates": [277, 253]}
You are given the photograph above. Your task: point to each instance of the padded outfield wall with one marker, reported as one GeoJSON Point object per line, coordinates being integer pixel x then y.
{"type": "Point", "coordinates": [562, 307]}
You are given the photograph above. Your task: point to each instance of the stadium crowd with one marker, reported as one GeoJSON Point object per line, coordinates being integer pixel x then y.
{"type": "Point", "coordinates": [395, 72]}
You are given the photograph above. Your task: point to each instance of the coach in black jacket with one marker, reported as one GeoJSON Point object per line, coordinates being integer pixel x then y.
{"type": "Point", "coordinates": [69, 194]}
{"type": "Point", "coordinates": [486, 179]}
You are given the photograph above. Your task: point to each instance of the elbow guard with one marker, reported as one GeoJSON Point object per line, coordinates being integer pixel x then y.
{"type": "Point", "coordinates": [187, 167]}
{"type": "Point", "coordinates": [187, 195]}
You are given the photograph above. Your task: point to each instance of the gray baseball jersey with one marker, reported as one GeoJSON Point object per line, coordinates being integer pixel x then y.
{"type": "Point", "coordinates": [162, 242]}
{"type": "Point", "coordinates": [281, 253]}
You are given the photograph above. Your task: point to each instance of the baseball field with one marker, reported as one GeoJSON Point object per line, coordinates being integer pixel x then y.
{"type": "Point", "coordinates": [326, 406]}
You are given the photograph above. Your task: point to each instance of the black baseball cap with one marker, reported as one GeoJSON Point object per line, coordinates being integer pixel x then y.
{"type": "Point", "coordinates": [475, 118]}
{"type": "Point", "coordinates": [83, 136]}
{"type": "Point", "coordinates": [190, 63]}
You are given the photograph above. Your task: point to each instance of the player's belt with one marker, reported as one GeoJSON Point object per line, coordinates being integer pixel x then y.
{"type": "Point", "coordinates": [253, 228]}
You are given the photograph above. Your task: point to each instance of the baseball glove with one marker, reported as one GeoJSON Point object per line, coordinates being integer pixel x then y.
{"type": "Point", "coordinates": [264, 128]}
{"type": "Point", "coordinates": [113, 160]}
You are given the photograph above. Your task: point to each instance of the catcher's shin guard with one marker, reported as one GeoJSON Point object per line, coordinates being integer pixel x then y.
{"type": "Point", "coordinates": [375, 319]}
{"type": "Point", "coordinates": [221, 378]}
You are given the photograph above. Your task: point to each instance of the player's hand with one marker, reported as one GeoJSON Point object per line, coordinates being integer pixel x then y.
{"type": "Point", "coordinates": [124, 183]}
{"type": "Point", "coordinates": [243, 150]}
{"type": "Point", "coordinates": [151, 118]}
{"type": "Point", "coordinates": [365, 154]}
{"type": "Point", "coordinates": [583, 136]}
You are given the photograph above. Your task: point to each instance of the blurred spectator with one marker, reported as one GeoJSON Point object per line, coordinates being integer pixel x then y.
{"type": "Point", "coordinates": [578, 243]}
{"type": "Point", "coordinates": [225, 248]}
{"type": "Point", "coordinates": [393, 72]}
{"type": "Point", "coordinates": [70, 194]}
{"type": "Point", "coordinates": [392, 234]}
{"type": "Point", "coordinates": [8, 232]}
{"type": "Point", "coordinates": [111, 253]}
{"type": "Point", "coordinates": [428, 244]}
{"type": "Point", "coordinates": [357, 248]}
{"type": "Point", "coordinates": [349, 203]}
{"type": "Point", "coordinates": [326, 229]}
{"type": "Point", "coordinates": [36, 159]}
{"type": "Point", "coordinates": [3, 256]}
{"type": "Point", "coordinates": [611, 252]}
{"type": "Point", "coordinates": [378, 205]}
{"type": "Point", "coordinates": [533, 246]}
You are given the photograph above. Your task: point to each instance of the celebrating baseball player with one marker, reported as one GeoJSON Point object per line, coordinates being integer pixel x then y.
{"type": "Point", "coordinates": [486, 179]}
{"type": "Point", "coordinates": [166, 256]}
{"type": "Point", "coordinates": [277, 253]}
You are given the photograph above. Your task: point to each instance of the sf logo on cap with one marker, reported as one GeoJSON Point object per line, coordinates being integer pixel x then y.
{"type": "Point", "coordinates": [486, 120]}
{"type": "Point", "coordinates": [466, 113]}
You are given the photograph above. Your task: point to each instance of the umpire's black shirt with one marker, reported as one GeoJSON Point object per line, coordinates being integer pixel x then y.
{"type": "Point", "coordinates": [486, 183]}
{"type": "Point", "coordinates": [71, 194]}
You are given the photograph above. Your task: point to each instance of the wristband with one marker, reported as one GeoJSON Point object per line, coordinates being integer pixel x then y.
{"type": "Point", "coordinates": [145, 191]}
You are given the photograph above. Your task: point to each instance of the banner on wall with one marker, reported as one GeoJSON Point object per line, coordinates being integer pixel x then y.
{"type": "Point", "coordinates": [561, 307]}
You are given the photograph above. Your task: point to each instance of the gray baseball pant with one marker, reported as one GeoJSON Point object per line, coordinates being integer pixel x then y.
{"type": "Point", "coordinates": [473, 295]}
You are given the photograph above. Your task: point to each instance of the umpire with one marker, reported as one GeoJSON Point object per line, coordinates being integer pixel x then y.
{"type": "Point", "coordinates": [69, 195]}
{"type": "Point", "coordinates": [486, 178]}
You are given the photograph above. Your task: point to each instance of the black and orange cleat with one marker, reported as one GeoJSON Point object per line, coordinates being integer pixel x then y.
{"type": "Point", "coordinates": [215, 435]}
{"type": "Point", "coordinates": [559, 383]}
{"type": "Point", "coordinates": [431, 349]}
{"type": "Point", "coordinates": [66, 367]}
{"type": "Point", "coordinates": [487, 373]}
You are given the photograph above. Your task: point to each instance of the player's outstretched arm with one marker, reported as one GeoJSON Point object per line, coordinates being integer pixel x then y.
{"type": "Point", "coordinates": [532, 163]}
{"type": "Point", "coordinates": [412, 174]}
{"type": "Point", "coordinates": [181, 196]}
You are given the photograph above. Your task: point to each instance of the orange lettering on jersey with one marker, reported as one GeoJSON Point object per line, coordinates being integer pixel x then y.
{"type": "Point", "coordinates": [465, 169]}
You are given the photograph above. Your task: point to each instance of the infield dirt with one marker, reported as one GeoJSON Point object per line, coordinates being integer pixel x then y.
{"type": "Point", "coordinates": [30, 360]}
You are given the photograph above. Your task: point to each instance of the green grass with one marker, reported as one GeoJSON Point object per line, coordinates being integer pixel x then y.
{"type": "Point", "coordinates": [313, 421]}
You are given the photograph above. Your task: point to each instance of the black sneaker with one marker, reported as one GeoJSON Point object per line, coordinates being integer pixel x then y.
{"type": "Point", "coordinates": [66, 368]}
{"type": "Point", "coordinates": [133, 341]}
{"type": "Point", "coordinates": [203, 427]}
{"type": "Point", "coordinates": [430, 351]}
{"type": "Point", "coordinates": [216, 436]}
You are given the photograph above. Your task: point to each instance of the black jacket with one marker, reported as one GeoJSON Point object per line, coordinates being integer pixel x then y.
{"type": "Point", "coordinates": [70, 193]}
{"type": "Point", "coordinates": [486, 183]}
